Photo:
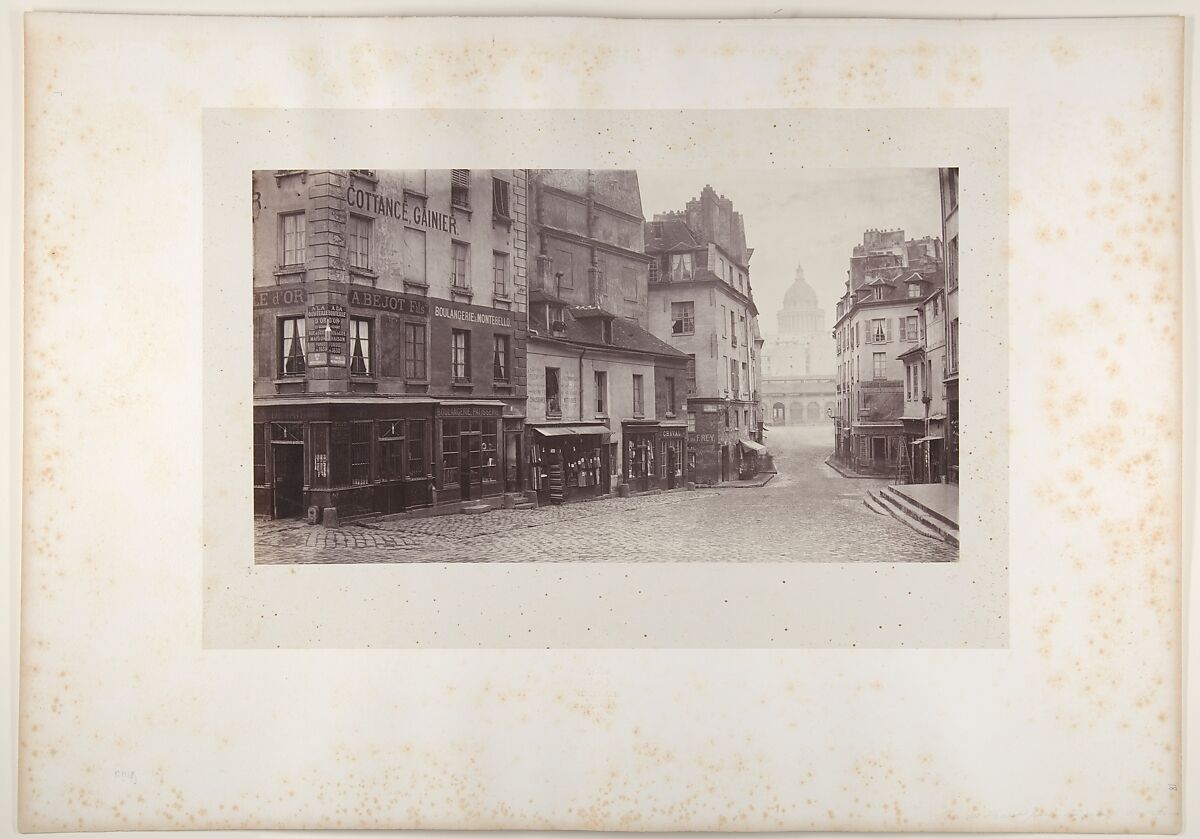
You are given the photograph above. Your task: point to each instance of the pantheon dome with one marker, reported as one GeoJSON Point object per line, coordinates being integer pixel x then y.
{"type": "Point", "coordinates": [802, 344]}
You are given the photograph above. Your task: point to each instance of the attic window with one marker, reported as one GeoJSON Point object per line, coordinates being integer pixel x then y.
{"type": "Point", "coordinates": [554, 318]}
{"type": "Point", "coordinates": [878, 293]}
{"type": "Point", "coordinates": [606, 330]}
{"type": "Point", "coordinates": [914, 289]}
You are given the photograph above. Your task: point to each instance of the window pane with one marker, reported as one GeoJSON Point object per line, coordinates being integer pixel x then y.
{"type": "Point", "coordinates": [360, 347]}
{"type": "Point", "coordinates": [414, 350]}
{"type": "Point", "coordinates": [292, 346]}
{"type": "Point", "coordinates": [460, 187]}
{"type": "Point", "coordinates": [500, 272]}
{"type": "Point", "coordinates": [500, 358]}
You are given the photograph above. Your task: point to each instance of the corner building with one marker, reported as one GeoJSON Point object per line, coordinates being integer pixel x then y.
{"type": "Point", "coordinates": [702, 304]}
{"type": "Point", "coordinates": [875, 333]}
{"type": "Point", "coordinates": [389, 339]}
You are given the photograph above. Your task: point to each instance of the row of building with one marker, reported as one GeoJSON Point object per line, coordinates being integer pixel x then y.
{"type": "Point", "coordinates": [427, 340]}
{"type": "Point", "coordinates": [897, 352]}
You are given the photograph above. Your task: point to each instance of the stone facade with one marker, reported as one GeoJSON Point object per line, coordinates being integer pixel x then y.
{"type": "Point", "coordinates": [389, 338]}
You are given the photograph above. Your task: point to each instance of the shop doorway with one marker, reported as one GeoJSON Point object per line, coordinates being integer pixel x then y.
{"type": "Point", "coordinates": [935, 461]}
{"type": "Point", "coordinates": [670, 467]}
{"type": "Point", "coordinates": [289, 480]}
{"type": "Point", "coordinates": [879, 450]}
{"type": "Point", "coordinates": [470, 479]}
{"type": "Point", "coordinates": [391, 497]}
{"type": "Point", "coordinates": [725, 463]}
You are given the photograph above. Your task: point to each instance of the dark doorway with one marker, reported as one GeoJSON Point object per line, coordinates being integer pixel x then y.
{"type": "Point", "coordinates": [289, 480]}
{"type": "Point", "coordinates": [879, 450]}
{"type": "Point", "coordinates": [935, 461]}
{"type": "Point", "coordinates": [471, 478]}
{"type": "Point", "coordinates": [670, 467]}
{"type": "Point", "coordinates": [391, 495]}
{"type": "Point", "coordinates": [605, 469]}
{"type": "Point", "coordinates": [724, 463]}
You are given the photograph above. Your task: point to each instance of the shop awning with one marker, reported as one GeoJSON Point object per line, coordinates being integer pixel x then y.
{"type": "Point", "coordinates": [751, 446]}
{"type": "Point", "coordinates": [598, 430]}
{"type": "Point", "coordinates": [936, 417]}
{"type": "Point", "coordinates": [927, 439]}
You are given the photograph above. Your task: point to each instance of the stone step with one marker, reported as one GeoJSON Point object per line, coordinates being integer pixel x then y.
{"type": "Point", "coordinates": [928, 512]}
{"type": "Point", "coordinates": [524, 505]}
{"type": "Point", "coordinates": [873, 504]}
{"type": "Point", "coordinates": [916, 517]}
{"type": "Point", "coordinates": [475, 509]}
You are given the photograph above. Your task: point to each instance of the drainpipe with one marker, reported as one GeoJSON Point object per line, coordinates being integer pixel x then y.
{"type": "Point", "coordinates": [581, 355]}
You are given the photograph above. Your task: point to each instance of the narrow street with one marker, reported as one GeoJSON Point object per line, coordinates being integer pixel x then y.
{"type": "Point", "coordinates": [807, 513]}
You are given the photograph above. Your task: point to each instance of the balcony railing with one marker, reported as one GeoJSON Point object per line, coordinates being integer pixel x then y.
{"type": "Point", "coordinates": [675, 275]}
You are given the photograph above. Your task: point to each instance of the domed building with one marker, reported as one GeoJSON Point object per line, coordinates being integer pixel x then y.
{"type": "Point", "coordinates": [797, 363]}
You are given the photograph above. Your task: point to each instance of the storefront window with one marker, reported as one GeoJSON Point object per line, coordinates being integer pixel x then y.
{"type": "Point", "coordinates": [450, 452]}
{"type": "Point", "coordinates": [360, 453]}
{"type": "Point", "coordinates": [416, 449]}
{"type": "Point", "coordinates": [260, 454]}
{"type": "Point", "coordinates": [287, 432]}
{"type": "Point", "coordinates": [489, 452]}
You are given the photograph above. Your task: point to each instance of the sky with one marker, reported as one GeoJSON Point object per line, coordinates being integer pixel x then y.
{"type": "Point", "coordinates": [808, 217]}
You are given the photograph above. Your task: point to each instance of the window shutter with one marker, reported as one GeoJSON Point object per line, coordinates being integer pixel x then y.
{"type": "Point", "coordinates": [903, 334]}
{"type": "Point", "coordinates": [460, 177]}
{"type": "Point", "coordinates": [887, 323]}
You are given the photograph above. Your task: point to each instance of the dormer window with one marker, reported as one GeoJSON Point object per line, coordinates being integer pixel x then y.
{"type": "Point", "coordinates": [606, 332]}
{"type": "Point", "coordinates": [914, 289]}
{"type": "Point", "coordinates": [878, 293]}
{"type": "Point", "coordinates": [555, 318]}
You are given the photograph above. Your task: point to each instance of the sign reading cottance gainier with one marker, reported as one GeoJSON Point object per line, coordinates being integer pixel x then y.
{"type": "Point", "coordinates": [385, 205]}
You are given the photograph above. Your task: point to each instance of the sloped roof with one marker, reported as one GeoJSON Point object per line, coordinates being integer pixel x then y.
{"type": "Point", "coordinates": [671, 234]}
{"type": "Point", "coordinates": [540, 296]}
{"type": "Point", "coordinates": [583, 325]}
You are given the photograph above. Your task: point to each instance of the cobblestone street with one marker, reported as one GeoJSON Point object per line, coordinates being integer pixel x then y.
{"type": "Point", "coordinates": [808, 513]}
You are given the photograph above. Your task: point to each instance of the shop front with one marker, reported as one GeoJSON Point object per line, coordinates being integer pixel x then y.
{"type": "Point", "coordinates": [753, 458]}
{"type": "Point", "coordinates": [359, 457]}
{"type": "Point", "coordinates": [655, 456]}
{"type": "Point", "coordinates": [641, 456]}
{"type": "Point", "coordinates": [470, 452]}
{"type": "Point", "coordinates": [674, 454]}
{"type": "Point", "coordinates": [569, 462]}
{"type": "Point", "coordinates": [377, 456]}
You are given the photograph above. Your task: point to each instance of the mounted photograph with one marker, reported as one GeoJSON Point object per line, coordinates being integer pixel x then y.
{"type": "Point", "coordinates": [600, 365]}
